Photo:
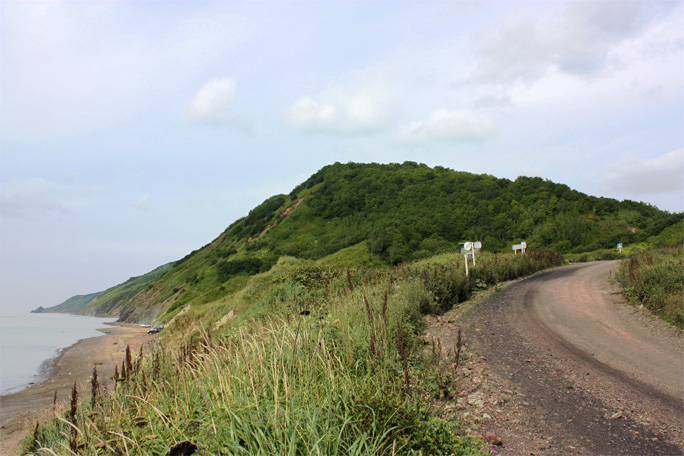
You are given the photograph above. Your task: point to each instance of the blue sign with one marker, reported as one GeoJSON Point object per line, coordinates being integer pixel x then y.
{"type": "Point", "coordinates": [619, 245]}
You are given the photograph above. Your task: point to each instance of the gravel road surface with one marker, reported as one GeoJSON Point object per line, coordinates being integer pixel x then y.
{"type": "Point", "coordinates": [559, 364]}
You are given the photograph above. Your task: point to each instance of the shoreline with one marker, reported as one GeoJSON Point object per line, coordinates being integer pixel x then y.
{"type": "Point", "coordinates": [20, 410]}
{"type": "Point", "coordinates": [45, 369]}
{"type": "Point", "coordinates": [48, 366]}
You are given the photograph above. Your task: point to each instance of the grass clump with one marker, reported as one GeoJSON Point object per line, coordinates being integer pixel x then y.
{"type": "Point", "coordinates": [655, 278]}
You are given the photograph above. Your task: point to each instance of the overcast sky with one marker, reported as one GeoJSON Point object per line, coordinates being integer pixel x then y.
{"type": "Point", "coordinates": [133, 132]}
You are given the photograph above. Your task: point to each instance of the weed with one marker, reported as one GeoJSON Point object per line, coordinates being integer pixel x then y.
{"type": "Point", "coordinates": [655, 278]}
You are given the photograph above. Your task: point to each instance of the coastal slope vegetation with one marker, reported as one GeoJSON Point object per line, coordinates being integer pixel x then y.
{"type": "Point", "coordinates": [377, 215]}
{"type": "Point", "coordinates": [72, 305]}
{"type": "Point", "coordinates": [108, 302]}
{"type": "Point", "coordinates": [298, 330]}
{"type": "Point", "coordinates": [316, 359]}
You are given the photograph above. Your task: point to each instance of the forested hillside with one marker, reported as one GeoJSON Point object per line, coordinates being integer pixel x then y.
{"type": "Point", "coordinates": [373, 214]}
{"type": "Point", "coordinates": [409, 210]}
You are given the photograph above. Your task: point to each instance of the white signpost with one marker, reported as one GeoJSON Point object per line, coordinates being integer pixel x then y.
{"type": "Point", "coordinates": [469, 249]}
{"type": "Point", "coordinates": [522, 246]}
{"type": "Point", "coordinates": [619, 246]}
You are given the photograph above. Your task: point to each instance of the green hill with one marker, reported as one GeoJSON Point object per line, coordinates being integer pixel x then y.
{"type": "Point", "coordinates": [108, 302]}
{"type": "Point", "coordinates": [382, 215]}
{"type": "Point", "coordinates": [72, 305]}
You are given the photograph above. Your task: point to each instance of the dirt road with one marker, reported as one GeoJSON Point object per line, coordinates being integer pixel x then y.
{"type": "Point", "coordinates": [574, 308]}
{"type": "Point", "coordinates": [560, 365]}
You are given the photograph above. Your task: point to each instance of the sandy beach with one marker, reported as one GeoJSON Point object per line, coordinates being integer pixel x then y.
{"type": "Point", "coordinates": [21, 410]}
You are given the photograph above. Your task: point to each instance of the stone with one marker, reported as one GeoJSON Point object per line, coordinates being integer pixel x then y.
{"type": "Point", "coordinates": [493, 439]}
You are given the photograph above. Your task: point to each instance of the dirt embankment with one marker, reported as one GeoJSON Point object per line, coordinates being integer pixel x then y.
{"type": "Point", "coordinates": [558, 364]}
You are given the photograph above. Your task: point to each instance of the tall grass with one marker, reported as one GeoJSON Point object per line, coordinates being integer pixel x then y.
{"type": "Point", "coordinates": [655, 278]}
{"type": "Point", "coordinates": [329, 363]}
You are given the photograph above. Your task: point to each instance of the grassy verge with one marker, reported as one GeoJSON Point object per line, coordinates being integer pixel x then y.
{"type": "Point", "coordinates": [596, 255]}
{"type": "Point", "coordinates": [655, 278]}
{"type": "Point", "coordinates": [328, 361]}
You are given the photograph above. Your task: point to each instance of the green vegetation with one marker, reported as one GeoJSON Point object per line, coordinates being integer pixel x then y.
{"type": "Point", "coordinates": [300, 325]}
{"type": "Point", "coordinates": [672, 235]}
{"type": "Point", "coordinates": [596, 255]}
{"type": "Point", "coordinates": [72, 305]}
{"type": "Point", "coordinates": [111, 299]}
{"type": "Point", "coordinates": [108, 302]}
{"type": "Point", "coordinates": [410, 211]}
{"type": "Point", "coordinates": [312, 359]}
{"type": "Point", "coordinates": [376, 215]}
{"type": "Point", "coordinates": [655, 278]}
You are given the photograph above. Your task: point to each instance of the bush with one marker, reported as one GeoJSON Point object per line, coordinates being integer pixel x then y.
{"type": "Point", "coordinates": [655, 278]}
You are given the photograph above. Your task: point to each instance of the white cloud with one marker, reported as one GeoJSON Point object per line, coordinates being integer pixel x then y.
{"type": "Point", "coordinates": [362, 105]}
{"type": "Point", "coordinates": [647, 176]}
{"type": "Point", "coordinates": [70, 69]}
{"type": "Point", "coordinates": [443, 125]}
{"type": "Point", "coordinates": [308, 114]}
{"type": "Point", "coordinates": [358, 113]}
{"type": "Point", "coordinates": [514, 51]}
{"type": "Point", "coordinates": [212, 101]}
{"type": "Point", "coordinates": [31, 197]}
{"type": "Point", "coordinates": [580, 41]}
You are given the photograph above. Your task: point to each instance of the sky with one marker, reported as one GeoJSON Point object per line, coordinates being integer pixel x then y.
{"type": "Point", "coordinates": [133, 132]}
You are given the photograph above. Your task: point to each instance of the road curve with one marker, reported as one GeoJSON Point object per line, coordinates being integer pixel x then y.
{"type": "Point", "coordinates": [576, 305]}
{"type": "Point", "coordinates": [595, 375]}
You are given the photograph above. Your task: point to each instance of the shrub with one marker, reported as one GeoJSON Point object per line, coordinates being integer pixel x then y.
{"type": "Point", "coordinates": [655, 278]}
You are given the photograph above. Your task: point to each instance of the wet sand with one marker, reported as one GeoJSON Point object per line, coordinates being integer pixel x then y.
{"type": "Point", "coordinates": [20, 411]}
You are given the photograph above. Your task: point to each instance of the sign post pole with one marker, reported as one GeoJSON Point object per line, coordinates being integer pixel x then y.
{"type": "Point", "coordinates": [468, 249]}
{"type": "Point", "coordinates": [522, 246]}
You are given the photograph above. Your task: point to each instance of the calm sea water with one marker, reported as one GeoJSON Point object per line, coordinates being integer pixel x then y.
{"type": "Point", "coordinates": [29, 341]}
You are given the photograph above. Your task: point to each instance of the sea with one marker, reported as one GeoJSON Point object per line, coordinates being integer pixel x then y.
{"type": "Point", "coordinates": [29, 344]}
